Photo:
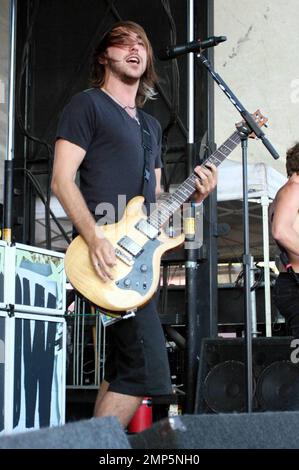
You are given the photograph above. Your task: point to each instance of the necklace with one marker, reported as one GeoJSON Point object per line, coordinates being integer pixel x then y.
{"type": "Point", "coordinates": [132, 108]}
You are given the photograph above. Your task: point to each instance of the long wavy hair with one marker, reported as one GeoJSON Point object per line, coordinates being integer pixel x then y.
{"type": "Point", "coordinates": [116, 35]}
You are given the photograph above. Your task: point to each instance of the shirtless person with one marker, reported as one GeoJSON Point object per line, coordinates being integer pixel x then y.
{"type": "Point", "coordinates": [285, 230]}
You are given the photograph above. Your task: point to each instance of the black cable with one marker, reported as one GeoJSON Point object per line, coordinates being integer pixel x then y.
{"type": "Point", "coordinates": [24, 57]}
{"type": "Point", "coordinates": [174, 168]}
{"type": "Point", "coordinates": [113, 8]}
{"type": "Point", "coordinates": [256, 284]}
{"type": "Point", "coordinates": [20, 120]}
{"type": "Point", "coordinates": [83, 59]}
{"type": "Point", "coordinates": [234, 257]}
{"type": "Point", "coordinates": [178, 339]}
{"type": "Point", "coordinates": [47, 206]}
{"type": "Point", "coordinates": [40, 193]}
{"type": "Point", "coordinates": [174, 104]}
{"type": "Point", "coordinates": [174, 64]}
{"type": "Point", "coordinates": [77, 73]}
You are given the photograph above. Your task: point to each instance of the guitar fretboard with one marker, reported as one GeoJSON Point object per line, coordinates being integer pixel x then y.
{"type": "Point", "coordinates": [185, 190]}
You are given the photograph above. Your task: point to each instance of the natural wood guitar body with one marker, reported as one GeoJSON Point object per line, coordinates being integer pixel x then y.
{"type": "Point", "coordinates": [109, 295]}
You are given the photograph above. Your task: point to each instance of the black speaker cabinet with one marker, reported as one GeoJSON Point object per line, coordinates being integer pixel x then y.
{"type": "Point", "coordinates": [221, 376]}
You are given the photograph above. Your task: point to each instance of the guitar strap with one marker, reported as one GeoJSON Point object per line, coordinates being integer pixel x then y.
{"type": "Point", "coordinates": [146, 139]}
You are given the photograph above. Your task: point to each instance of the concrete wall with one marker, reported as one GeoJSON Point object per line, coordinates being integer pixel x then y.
{"type": "Point", "coordinates": [4, 35]}
{"type": "Point", "coordinates": [259, 61]}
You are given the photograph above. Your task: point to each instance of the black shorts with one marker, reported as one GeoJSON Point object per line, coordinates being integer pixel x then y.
{"type": "Point", "coordinates": [137, 362]}
{"type": "Point", "coordinates": [286, 298]}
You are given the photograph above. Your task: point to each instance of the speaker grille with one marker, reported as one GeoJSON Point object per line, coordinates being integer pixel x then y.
{"type": "Point", "coordinates": [221, 376]}
{"type": "Point", "coordinates": [224, 387]}
{"type": "Point", "coordinates": [278, 387]}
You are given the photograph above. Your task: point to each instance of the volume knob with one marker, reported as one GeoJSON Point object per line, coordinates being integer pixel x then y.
{"type": "Point", "coordinates": [143, 268]}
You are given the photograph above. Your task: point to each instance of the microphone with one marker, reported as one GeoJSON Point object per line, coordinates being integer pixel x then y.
{"type": "Point", "coordinates": [171, 52]}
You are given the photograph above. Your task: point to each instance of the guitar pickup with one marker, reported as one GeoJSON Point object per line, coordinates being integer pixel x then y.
{"type": "Point", "coordinates": [125, 258]}
{"type": "Point", "coordinates": [130, 246]}
{"type": "Point", "coordinates": [147, 229]}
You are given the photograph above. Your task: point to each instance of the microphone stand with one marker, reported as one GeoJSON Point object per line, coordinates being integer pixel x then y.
{"type": "Point", "coordinates": [251, 127]}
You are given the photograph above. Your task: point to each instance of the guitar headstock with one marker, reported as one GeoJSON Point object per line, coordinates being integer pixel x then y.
{"type": "Point", "coordinates": [259, 119]}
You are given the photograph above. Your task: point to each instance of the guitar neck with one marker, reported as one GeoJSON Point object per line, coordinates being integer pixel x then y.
{"type": "Point", "coordinates": [187, 188]}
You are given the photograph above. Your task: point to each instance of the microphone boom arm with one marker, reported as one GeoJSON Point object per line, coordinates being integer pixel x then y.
{"type": "Point", "coordinates": [253, 126]}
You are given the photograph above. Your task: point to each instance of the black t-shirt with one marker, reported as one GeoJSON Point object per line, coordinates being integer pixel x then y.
{"type": "Point", "coordinates": [112, 169]}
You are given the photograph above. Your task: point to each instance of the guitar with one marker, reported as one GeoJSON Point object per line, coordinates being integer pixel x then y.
{"type": "Point", "coordinates": [139, 243]}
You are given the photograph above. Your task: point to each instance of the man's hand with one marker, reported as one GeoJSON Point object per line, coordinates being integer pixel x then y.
{"type": "Point", "coordinates": [102, 256]}
{"type": "Point", "coordinates": [206, 181]}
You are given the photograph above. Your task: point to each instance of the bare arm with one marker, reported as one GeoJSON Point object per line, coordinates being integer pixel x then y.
{"type": "Point", "coordinates": [158, 181]}
{"type": "Point", "coordinates": [284, 218]}
{"type": "Point", "coordinates": [68, 158]}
